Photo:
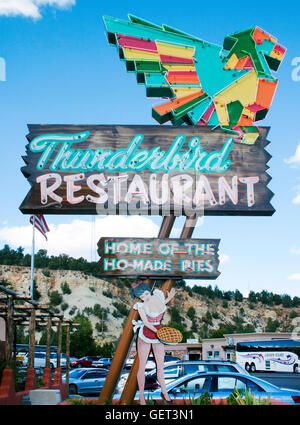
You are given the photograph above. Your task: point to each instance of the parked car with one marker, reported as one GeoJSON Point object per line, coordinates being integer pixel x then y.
{"type": "Point", "coordinates": [85, 361]}
{"type": "Point", "coordinates": [72, 359]}
{"type": "Point", "coordinates": [174, 370]}
{"type": "Point", "coordinates": [86, 380]}
{"type": "Point", "coordinates": [220, 385]}
{"type": "Point", "coordinates": [149, 365]}
{"type": "Point", "coordinates": [104, 362]}
{"type": "Point", "coordinates": [53, 360]}
{"type": "Point", "coordinates": [169, 358]}
{"type": "Point", "coordinates": [39, 359]}
{"type": "Point", "coordinates": [180, 368]}
{"type": "Point", "coordinates": [20, 357]}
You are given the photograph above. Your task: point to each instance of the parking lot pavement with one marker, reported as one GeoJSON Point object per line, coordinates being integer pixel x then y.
{"type": "Point", "coordinates": [280, 379]}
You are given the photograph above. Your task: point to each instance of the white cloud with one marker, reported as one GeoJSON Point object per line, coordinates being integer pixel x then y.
{"type": "Point", "coordinates": [79, 237]}
{"type": "Point", "coordinates": [224, 258]}
{"type": "Point", "coordinates": [296, 200]}
{"type": "Point", "coordinates": [30, 8]}
{"type": "Point", "coordinates": [294, 276]}
{"type": "Point", "coordinates": [294, 160]}
{"type": "Point", "coordinates": [295, 250]}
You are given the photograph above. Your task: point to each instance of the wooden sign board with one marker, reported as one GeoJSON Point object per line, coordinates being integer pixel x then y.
{"type": "Point", "coordinates": [159, 258]}
{"type": "Point", "coordinates": [151, 170]}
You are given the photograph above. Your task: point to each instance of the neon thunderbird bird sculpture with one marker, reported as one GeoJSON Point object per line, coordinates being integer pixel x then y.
{"type": "Point", "coordinates": [230, 86]}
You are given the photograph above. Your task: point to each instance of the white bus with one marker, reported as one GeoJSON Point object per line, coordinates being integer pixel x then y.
{"type": "Point", "coordinates": [276, 355]}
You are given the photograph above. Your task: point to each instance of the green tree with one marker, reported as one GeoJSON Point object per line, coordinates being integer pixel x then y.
{"type": "Point", "coordinates": [106, 350]}
{"type": "Point", "coordinates": [207, 318]}
{"type": "Point", "coordinates": [100, 312]}
{"type": "Point", "coordinates": [36, 293]}
{"type": "Point", "coordinates": [175, 315]}
{"type": "Point", "coordinates": [286, 301]}
{"type": "Point", "coordinates": [101, 327]}
{"type": "Point", "coordinates": [121, 308]}
{"type": "Point", "coordinates": [55, 298]}
{"type": "Point", "coordinates": [272, 325]}
{"type": "Point", "coordinates": [194, 327]}
{"type": "Point", "coordinates": [65, 288]}
{"type": "Point", "coordinates": [238, 296]}
{"type": "Point", "coordinates": [41, 259]}
{"type": "Point", "coordinates": [252, 298]}
{"type": "Point", "coordinates": [191, 313]}
{"type": "Point", "coordinates": [81, 341]}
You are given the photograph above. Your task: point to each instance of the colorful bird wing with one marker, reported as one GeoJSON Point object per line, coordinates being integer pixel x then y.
{"type": "Point", "coordinates": [163, 59]}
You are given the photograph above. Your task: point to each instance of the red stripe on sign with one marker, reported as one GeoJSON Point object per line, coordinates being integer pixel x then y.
{"type": "Point", "coordinates": [207, 115]}
{"type": "Point", "coordinates": [255, 107]}
{"type": "Point", "coordinates": [136, 43]}
{"type": "Point", "coordinates": [184, 73]}
{"type": "Point", "coordinates": [279, 49]}
{"type": "Point", "coordinates": [183, 79]}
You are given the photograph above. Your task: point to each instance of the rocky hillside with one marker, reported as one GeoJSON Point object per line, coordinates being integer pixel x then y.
{"type": "Point", "coordinates": [106, 304]}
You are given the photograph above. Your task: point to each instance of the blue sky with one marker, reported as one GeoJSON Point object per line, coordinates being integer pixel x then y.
{"type": "Point", "coordinates": [60, 69]}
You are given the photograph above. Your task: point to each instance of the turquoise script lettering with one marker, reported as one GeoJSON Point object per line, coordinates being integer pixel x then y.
{"type": "Point", "coordinates": [66, 158]}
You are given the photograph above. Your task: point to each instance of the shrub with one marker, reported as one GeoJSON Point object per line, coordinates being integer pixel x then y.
{"type": "Point", "coordinates": [108, 294]}
{"type": "Point", "coordinates": [293, 314]}
{"type": "Point", "coordinates": [72, 311]}
{"type": "Point", "coordinates": [175, 315]}
{"type": "Point", "coordinates": [55, 298]}
{"type": "Point", "coordinates": [5, 283]}
{"type": "Point", "coordinates": [64, 306]}
{"type": "Point", "coordinates": [100, 327]}
{"type": "Point", "coordinates": [82, 402]}
{"type": "Point", "coordinates": [191, 313]}
{"type": "Point", "coordinates": [36, 294]}
{"type": "Point", "coordinates": [121, 308]}
{"type": "Point", "coordinates": [65, 288]}
{"type": "Point", "coordinates": [100, 312]}
{"type": "Point", "coordinates": [237, 398]}
{"type": "Point", "coordinates": [272, 325]}
{"type": "Point", "coordinates": [116, 314]}
{"type": "Point", "coordinates": [215, 315]}
{"type": "Point", "coordinates": [238, 296]}
{"type": "Point", "coordinates": [194, 327]}
{"type": "Point", "coordinates": [207, 318]}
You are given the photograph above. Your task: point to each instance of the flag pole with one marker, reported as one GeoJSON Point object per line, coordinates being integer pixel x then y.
{"type": "Point", "coordinates": [32, 258]}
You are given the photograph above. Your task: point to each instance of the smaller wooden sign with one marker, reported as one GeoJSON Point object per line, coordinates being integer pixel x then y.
{"type": "Point", "coordinates": [159, 258]}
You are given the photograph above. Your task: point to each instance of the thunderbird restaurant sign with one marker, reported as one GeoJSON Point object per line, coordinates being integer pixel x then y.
{"type": "Point", "coordinates": [76, 169]}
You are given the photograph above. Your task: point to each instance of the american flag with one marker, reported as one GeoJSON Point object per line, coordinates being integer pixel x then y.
{"type": "Point", "coordinates": [40, 224]}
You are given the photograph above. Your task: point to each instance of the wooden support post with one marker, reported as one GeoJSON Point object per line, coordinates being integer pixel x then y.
{"type": "Point", "coordinates": [58, 343]}
{"type": "Point", "coordinates": [67, 354]}
{"type": "Point", "coordinates": [32, 340]}
{"type": "Point", "coordinates": [9, 332]}
{"type": "Point", "coordinates": [130, 388]}
{"type": "Point", "coordinates": [166, 226]}
{"type": "Point", "coordinates": [15, 344]}
{"type": "Point", "coordinates": [48, 347]}
{"type": "Point", "coordinates": [189, 227]}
